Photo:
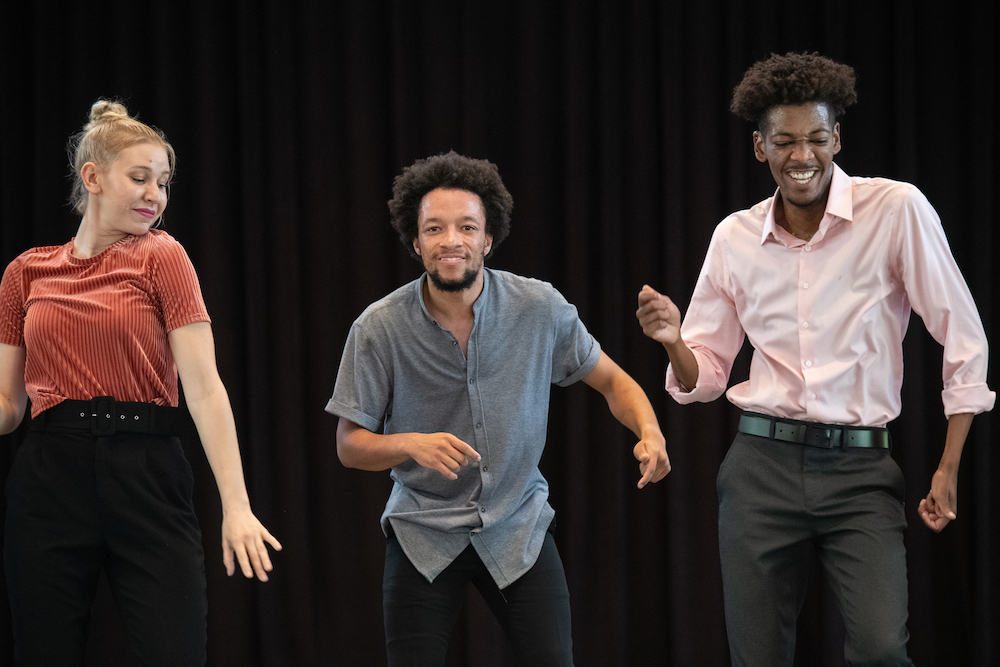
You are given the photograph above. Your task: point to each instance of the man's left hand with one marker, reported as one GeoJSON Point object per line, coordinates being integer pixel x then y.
{"type": "Point", "coordinates": [653, 461]}
{"type": "Point", "coordinates": [938, 508]}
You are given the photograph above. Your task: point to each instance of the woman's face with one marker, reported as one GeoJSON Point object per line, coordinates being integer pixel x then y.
{"type": "Point", "coordinates": [131, 193]}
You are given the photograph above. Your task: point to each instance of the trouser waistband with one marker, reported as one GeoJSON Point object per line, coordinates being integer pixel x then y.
{"type": "Point", "coordinates": [104, 416]}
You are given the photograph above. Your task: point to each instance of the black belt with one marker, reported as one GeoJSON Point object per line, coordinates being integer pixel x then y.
{"type": "Point", "coordinates": [814, 434]}
{"type": "Point", "coordinates": [103, 416]}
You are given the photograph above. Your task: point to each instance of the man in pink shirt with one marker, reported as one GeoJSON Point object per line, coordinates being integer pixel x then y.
{"type": "Point", "coordinates": [821, 278]}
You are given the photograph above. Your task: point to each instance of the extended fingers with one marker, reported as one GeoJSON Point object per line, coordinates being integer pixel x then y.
{"type": "Point", "coordinates": [253, 556]}
{"type": "Point", "coordinates": [653, 463]}
{"type": "Point", "coordinates": [250, 561]}
{"type": "Point", "coordinates": [244, 541]}
{"type": "Point", "coordinates": [449, 464]}
{"type": "Point", "coordinates": [446, 471]}
{"type": "Point", "coordinates": [271, 539]}
{"type": "Point", "coordinates": [243, 559]}
{"type": "Point", "coordinates": [260, 560]}
{"type": "Point", "coordinates": [453, 456]}
{"type": "Point", "coordinates": [472, 454]}
{"type": "Point", "coordinates": [227, 558]}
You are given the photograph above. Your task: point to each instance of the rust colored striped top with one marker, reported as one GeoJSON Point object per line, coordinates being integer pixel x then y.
{"type": "Point", "coordinates": [98, 326]}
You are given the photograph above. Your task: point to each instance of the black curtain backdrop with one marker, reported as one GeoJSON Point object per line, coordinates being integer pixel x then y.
{"type": "Point", "coordinates": [609, 122]}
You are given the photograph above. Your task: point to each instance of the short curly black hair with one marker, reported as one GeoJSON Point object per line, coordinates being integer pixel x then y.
{"type": "Point", "coordinates": [451, 171]}
{"type": "Point", "coordinates": [794, 78]}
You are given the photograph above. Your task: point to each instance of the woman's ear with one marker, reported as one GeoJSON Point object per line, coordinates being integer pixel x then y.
{"type": "Point", "coordinates": [91, 177]}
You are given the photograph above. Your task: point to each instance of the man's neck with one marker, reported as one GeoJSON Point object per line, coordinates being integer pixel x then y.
{"type": "Point", "coordinates": [453, 310]}
{"type": "Point", "coordinates": [451, 307]}
{"type": "Point", "coordinates": [800, 222]}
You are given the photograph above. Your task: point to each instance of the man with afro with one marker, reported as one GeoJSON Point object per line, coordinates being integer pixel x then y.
{"type": "Point", "coordinates": [446, 382]}
{"type": "Point", "coordinates": [820, 277]}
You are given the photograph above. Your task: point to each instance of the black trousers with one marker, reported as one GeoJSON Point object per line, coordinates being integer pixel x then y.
{"type": "Point", "coordinates": [780, 503]}
{"type": "Point", "coordinates": [77, 503]}
{"type": "Point", "coordinates": [533, 611]}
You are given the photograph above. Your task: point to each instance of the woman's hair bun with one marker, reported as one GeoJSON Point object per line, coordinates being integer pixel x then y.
{"type": "Point", "coordinates": [104, 111]}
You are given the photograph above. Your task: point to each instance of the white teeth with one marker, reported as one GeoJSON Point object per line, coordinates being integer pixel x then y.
{"type": "Point", "coordinates": [801, 176]}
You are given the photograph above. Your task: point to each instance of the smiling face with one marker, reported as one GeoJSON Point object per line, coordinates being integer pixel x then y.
{"type": "Point", "coordinates": [798, 143]}
{"type": "Point", "coordinates": [130, 194]}
{"type": "Point", "coordinates": [451, 238]}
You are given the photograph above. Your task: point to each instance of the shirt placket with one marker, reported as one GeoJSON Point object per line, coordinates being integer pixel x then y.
{"type": "Point", "coordinates": [807, 324]}
{"type": "Point", "coordinates": [481, 444]}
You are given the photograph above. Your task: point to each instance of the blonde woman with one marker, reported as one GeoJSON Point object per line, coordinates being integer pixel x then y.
{"type": "Point", "coordinates": [95, 332]}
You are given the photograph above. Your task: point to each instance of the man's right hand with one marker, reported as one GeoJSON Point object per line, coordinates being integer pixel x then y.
{"type": "Point", "coordinates": [441, 451]}
{"type": "Point", "coordinates": [659, 317]}
{"type": "Point", "coordinates": [359, 448]}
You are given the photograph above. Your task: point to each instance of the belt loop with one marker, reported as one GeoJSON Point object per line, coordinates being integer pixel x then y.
{"type": "Point", "coordinates": [107, 414]}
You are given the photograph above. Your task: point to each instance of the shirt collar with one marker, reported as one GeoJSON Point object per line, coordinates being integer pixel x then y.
{"type": "Point", "coordinates": [840, 204]}
{"type": "Point", "coordinates": [487, 278]}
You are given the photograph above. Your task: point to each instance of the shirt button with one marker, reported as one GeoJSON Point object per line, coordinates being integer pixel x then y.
{"type": "Point", "coordinates": [812, 396]}
{"type": "Point", "coordinates": [472, 381]}
{"type": "Point", "coordinates": [808, 248]}
{"type": "Point", "coordinates": [483, 510]}
{"type": "Point", "coordinates": [485, 469]}
{"type": "Point", "coordinates": [809, 364]}
{"type": "Point", "coordinates": [479, 424]}
{"type": "Point", "coordinates": [805, 285]}
{"type": "Point", "coordinates": [805, 325]}
{"type": "Point", "coordinates": [454, 342]}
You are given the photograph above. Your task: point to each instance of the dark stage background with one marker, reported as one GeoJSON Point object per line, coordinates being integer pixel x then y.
{"type": "Point", "coordinates": [609, 123]}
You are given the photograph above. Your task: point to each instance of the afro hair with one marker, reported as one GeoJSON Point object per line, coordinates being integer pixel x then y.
{"type": "Point", "coordinates": [791, 79]}
{"type": "Point", "coordinates": [450, 171]}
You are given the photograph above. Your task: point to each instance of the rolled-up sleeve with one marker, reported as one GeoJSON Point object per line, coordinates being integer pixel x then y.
{"type": "Point", "coordinates": [711, 329]}
{"type": "Point", "coordinates": [939, 294]}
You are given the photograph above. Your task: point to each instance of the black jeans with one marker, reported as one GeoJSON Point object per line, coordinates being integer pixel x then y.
{"type": "Point", "coordinates": [419, 615]}
{"type": "Point", "coordinates": [77, 503]}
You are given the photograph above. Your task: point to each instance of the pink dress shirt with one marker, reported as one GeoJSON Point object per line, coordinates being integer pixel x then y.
{"type": "Point", "coordinates": [826, 317]}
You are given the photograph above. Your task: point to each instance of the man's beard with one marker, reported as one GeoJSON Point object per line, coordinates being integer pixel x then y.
{"type": "Point", "coordinates": [460, 285]}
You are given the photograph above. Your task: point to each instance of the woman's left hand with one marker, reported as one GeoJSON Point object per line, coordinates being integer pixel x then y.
{"type": "Point", "coordinates": [243, 540]}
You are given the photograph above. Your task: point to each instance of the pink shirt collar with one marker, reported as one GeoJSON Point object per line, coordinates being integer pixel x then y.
{"type": "Point", "coordinates": [839, 205]}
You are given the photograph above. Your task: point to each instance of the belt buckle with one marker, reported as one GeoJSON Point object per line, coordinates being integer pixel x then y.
{"type": "Point", "coordinates": [820, 436]}
{"type": "Point", "coordinates": [97, 413]}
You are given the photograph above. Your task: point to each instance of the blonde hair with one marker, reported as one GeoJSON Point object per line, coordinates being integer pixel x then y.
{"type": "Point", "coordinates": [109, 131]}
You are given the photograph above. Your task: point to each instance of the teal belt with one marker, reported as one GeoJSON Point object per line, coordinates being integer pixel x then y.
{"type": "Point", "coordinates": [813, 434]}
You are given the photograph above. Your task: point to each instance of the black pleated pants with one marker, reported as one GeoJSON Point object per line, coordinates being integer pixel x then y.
{"type": "Point", "coordinates": [77, 503]}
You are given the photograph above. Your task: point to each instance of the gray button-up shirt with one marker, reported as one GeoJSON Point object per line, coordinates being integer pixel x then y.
{"type": "Point", "coordinates": [402, 372]}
